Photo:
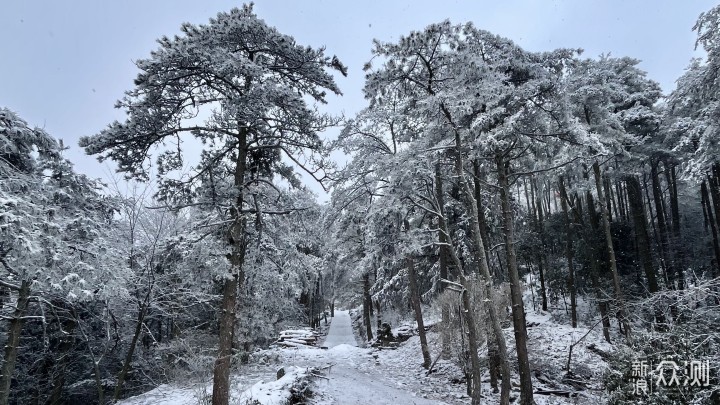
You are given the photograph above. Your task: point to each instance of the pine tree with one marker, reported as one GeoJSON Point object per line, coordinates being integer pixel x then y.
{"type": "Point", "coordinates": [254, 83]}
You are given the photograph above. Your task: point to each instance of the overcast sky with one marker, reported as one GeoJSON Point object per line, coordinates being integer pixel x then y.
{"type": "Point", "coordinates": [63, 64]}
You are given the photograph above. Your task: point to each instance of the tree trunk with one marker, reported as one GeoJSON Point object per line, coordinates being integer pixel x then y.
{"type": "Point", "coordinates": [378, 316]}
{"type": "Point", "coordinates": [716, 177]}
{"type": "Point", "coordinates": [678, 250]}
{"type": "Point", "coordinates": [611, 253]}
{"type": "Point", "coordinates": [541, 255]}
{"type": "Point", "coordinates": [620, 200]}
{"type": "Point", "coordinates": [64, 348]}
{"type": "Point", "coordinates": [221, 376]}
{"type": "Point", "coordinates": [530, 197]}
{"type": "Point", "coordinates": [133, 344]}
{"type": "Point", "coordinates": [637, 212]}
{"type": "Point", "coordinates": [703, 203]}
{"type": "Point", "coordinates": [662, 223]}
{"type": "Point", "coordinates": [714, 185]}
{"type": "Point", "coordinates": [569, 251]}
{"type": "Point", "coordinates": [232, 282]}
{"type": "Point", "coordinates": [715, 193]}
{"type": "Point", "coordinates": [415, 300]}
{"type": "Point", "coordinates": [482, 221]}
{"type": "Point", "coordinates": [98, 382]}
{"type": "Point", "coordinates": [474, 382]}
{"type": "Point", "coordinates": [713, 228]}
{"type": "Point", "coordinates": [13, 342]}
{"type": "Point", "coordinates": [609, 200]}
{"type": "Point", "coordinates": [311, 310]}
{"type": "Point", "coordinates": [656, 234]}
{"type": "Point", "coordinates": [595, 266]}
{"type": "Point", "coordinates": [518, 309]}
{"type": "Point", "coordinates": [443, 265]}
{"type": "Point", "coordinates": [367, 304]}
{"type": "Point", "coordinates": [493, 351]}
{"type": "Point", "coordinates": [547, 197]}
{"type": "Point", "coordinates": [484, 271]}
{"type": "Point", "coordinates": [476, 393]}
{"type": "Point", "coordinates": [641, 234]}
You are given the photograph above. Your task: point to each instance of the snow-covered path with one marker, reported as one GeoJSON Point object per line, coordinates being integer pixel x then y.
{"type": "Point", "coordinates": [340, 331]}
{"type": "Point", "coordinates": [351, 386]}
{"type": "Point", "coordinates": [352, 375]}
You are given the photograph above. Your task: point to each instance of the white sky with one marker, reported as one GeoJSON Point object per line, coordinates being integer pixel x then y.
{"type": "Point", "coordinates": [63, 64]}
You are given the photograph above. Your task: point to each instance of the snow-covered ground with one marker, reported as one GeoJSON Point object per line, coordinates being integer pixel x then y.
{"type": "Point", "coordinates": [340, 331]}
{"type": "Point", "coordinates": [352, 375]}
{"type": "Point", "coordinates": [355, 375]}
{"type": "Point", "coordinates": [198, 393]}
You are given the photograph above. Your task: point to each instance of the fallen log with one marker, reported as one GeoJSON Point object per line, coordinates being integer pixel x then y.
{"type": "Point", "coordinates": [558, 393]}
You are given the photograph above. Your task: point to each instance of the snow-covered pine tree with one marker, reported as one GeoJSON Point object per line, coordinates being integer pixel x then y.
{"type": "Point", "coordinates": [474, 89]}
{"type": "Point", "coordinates": [54, 242]}
{"type": "Point", "coordinates": [251, 84]}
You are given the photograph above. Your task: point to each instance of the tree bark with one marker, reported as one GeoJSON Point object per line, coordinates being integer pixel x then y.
{"type": "Point", "coordinates": [641, 233]}
{"type": "Point", "coordinates": [714, 185]}
{"type": "Point", "coordinates": [609, 200]}
{"type": "Point", "coordinates": [620, 200]}
{"type": "Point", "coordinates": [332, 300]}
{"type": "Point", "coordinates": [541, 254]}
{"type": "Point", "coordinates": [655, 232]}
{"type": "Point", "coordinates": [98, 382]}
{"type": "Point", "coordinates": [443, 265]}
{"type": "Point", "coordinates": [13, 342]}
{"type": "Point", "coordinates": [64, 348]}
{"type": "Point", "coordinates": [378, 315]}
{"type": "Point", "coordinates": [662, 224]}
{"type": "Point", "coordinates": [232, 282]}
{"type": "Point", "coordinates": [474, 382]}
{"type": "Point", "coordinates": [482, 221]}
{"type": "Point", "coordinates": [221, 376]}
{"type": "Point", "coordinates": [547, 197]}
{"type": "Point", "coordinates": [715, 193]}
{"type": "Point", "coordinates": [476, 379]}
{"type": "Point", "coordinates": [595, 267]}
{"type": "Point", "coordinates": [367, 304]}
{"type": "Point", "coordinates": [678, 250]}
{"type": "Point", "coordinates": [637, 212]}
{"type": "Point", "coordinates": [713, 228]}
{"type": "Point", "coordinates": [484, 270]}
{"type": "Point", "coordinates": [518, 309]}
{"type": "Point", "coordinates": [716, 177]}
{"type": "Point", "coordinates": [569, 251]}
{"type": "Point", "coordinates": [493, 351]}
{"type": "Point", "coordinates": [133, 344]}
{"type": "Point", "coordinates": [415, 300]}
{"type": "Point", "coordinates": [611, 254]}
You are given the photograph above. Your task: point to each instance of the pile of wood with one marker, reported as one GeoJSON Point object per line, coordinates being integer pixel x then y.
{"type": "Point", "coordinates": [297, 338]}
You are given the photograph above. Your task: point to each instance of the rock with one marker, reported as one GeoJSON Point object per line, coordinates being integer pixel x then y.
{"type": "Point", "coordinates": [281, 373]}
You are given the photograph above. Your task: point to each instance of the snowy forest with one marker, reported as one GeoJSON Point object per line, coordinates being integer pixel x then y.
{"type": "Point", "coordinates": [503, 226]}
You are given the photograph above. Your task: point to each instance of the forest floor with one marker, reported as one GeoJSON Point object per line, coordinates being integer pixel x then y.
{"type": "Point", "coordinates": [355, 375]}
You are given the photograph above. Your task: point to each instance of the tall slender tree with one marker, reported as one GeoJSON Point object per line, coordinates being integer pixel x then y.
{"type": "Point", "coordinates": [255, 83]}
